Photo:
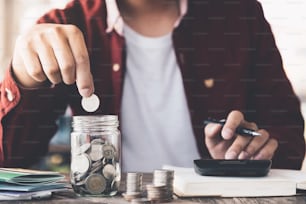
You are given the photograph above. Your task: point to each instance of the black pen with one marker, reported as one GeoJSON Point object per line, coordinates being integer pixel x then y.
{"type": "Point", "coordinates": [239, 130]}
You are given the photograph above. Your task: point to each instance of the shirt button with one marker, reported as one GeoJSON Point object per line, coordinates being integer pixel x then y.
{"type": "Point", "coordinates": [209, 83]}
{"type": "Point", "coordinates": [116, 67]}
{"type": "Point", "coordinates": [9, 95]}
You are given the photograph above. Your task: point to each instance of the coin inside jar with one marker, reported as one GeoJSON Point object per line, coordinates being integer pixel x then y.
{"type": "Point", "coordinates": [83, 148]}
{"type": "Point", "coordinates": [95, 152]}
{"type": "Point", "coordinates": [80, 163]}
{"type": "Point", "coordinates": [91, 103]}
{"type": "Point", "coordinates": [95, 183]}
{"type": "Point", "coordinates": [109, 171]}
{"type": "Point", "coordinates": [108, 151]}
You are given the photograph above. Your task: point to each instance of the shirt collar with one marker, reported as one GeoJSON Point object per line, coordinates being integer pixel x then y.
{"type": "Point", "coordinates": [115, 21]}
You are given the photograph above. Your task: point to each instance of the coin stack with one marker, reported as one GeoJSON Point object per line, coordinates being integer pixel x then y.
{"type": "Point", "coordinates": [133, 186]}
{"type": "Point", "coordinates": [162, 188]}
{"type": "Point", "coordinates": [95, 165]}
{"type": "Point", "coordinates": [157, 194]}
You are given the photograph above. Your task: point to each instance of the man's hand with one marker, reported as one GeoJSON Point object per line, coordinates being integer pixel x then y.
{"type": "Point", "coordinates": [53, 52]}
{"type": "Point", "coordinates": [224, 143]}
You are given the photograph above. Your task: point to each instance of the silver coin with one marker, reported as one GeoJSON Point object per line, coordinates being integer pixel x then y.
{"type": "Point", "coordinates": [109, 171]}
{"type": "Point", "coordinates": [115, 184]}
{"type": "Point", "coordinates": [134, 182]}
{"type": "Point", "coordinates": [164, 177]}
{"type": "Point", "coordinates": [80, 163]}
{"type": "Point", "coordinates": [84, 147]}
{"type": "Point", "coordinates": [108, 151]}
{"type": "Point", "coordinates": [95, 167]}
{"type": "Point", "coordinates": [91, 103]}
{"type": "Point", "coordinates": [157, 193]}
{"type": "Point", "coordinates": [81, 149]}
{"type": "Point", "coordinates": [97, 141]}
{"type": "Point", "coordinates": [95, 183]}
{"type": "Point", "coordinates": [95, 152]}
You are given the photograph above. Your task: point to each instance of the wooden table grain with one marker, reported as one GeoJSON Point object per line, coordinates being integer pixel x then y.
{"type": "Point", "coordinates": [70, 198]}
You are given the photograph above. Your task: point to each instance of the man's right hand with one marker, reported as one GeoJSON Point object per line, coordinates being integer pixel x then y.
{"type": "Point", "coordinates": [53, 52]}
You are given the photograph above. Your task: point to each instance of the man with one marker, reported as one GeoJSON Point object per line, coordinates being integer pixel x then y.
{"type": "Point", "coordinates": [164, 67]}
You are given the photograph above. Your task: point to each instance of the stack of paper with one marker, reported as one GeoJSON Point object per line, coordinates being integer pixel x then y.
{"type": "Point", "coordinates": [24, 184]}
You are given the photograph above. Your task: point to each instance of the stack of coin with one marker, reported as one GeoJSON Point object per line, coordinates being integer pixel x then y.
{"type": "Point", "coordinates": [157, 194]}
{"type": "Point", "coordinates": [161, 190]}
{"type": "Point", "coordinates": [133, 186]}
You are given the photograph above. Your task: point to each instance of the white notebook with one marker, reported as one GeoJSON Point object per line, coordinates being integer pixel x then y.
{"type": "Point", "coordinates": [279, 182]}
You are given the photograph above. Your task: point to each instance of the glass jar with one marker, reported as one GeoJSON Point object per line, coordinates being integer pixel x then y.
{"type": "Point", "coordinates": [95, 168]}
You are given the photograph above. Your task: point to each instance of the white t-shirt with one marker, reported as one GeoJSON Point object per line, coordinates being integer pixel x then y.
{"type": "Point", "coordinates": [156, 126]}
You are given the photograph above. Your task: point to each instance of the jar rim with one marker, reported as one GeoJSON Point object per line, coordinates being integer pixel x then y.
{"type": "Point", "coordinates": [89, 123]}
{"type": "Point", "coordinates": [96, 117]}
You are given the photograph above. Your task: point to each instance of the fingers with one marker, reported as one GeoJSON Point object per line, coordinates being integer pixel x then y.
{"type": "Point", "coordinates": [224, 142]}
{"type": "Point", "coordinates": [56, 53]}
{"type": "Point", "coordinates": [211, 132]}
{"type": "Point", "coordinates": [234, 120]}
{"type": "Point", "coordinates": [48, 60]}
{"type": "Point", "coordinates": [256, 144]}
{"type": "Point", "coordinates": [268, 150]}
{"type": "Point", "coordinates": [261, 147]}
{"type": "Point", "coordinates": [26, 64]}
{"type": "Point", "coordinates": [79, 51]}
{"type": "Point", "coordinates": [214, 142]}
{"type": "Point", "coordinates": [244, 147]}
{"type": "Point", "coordinates": [212, 135]}
{"type": "Point", "coordinates": [237, 147]}
{"type": "Point", "coordinates": [30, 60]}
{"type": "Point", "coordinates": [63, 54]}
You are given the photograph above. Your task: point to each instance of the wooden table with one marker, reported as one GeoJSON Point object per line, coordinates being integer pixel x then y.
{"type": "Point", "coordinates": [69, 197]}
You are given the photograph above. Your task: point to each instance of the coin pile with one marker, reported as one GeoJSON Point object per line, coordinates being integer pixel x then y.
{"type": "Point", "coordinates": [94, 168]}
{"type": "Point", "coordinates": [158, 194]}
{"type": "Point", "coordinates": [161, 190]}
{"type": "Point", "coordinates": [133, 186]}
